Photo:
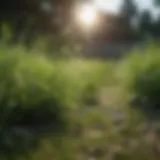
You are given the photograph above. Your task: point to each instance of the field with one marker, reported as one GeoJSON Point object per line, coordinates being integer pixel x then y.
{"type": "Point", "coordinates": [78, 109]}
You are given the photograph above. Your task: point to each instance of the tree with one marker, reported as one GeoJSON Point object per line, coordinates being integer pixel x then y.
{"type": "Point", "coordinates": [129, 12]}
{"type": "Point", "coordinates": [146, 24]}
{"type": "Point", "coordinates": [147, 27]}
{"type": "Point", "coordinates": [128, 9]}
{"type": "Point", "coordinates": [113, 29]}
{"type": "Point", "coordinates": [29, 18]}
{"type": "Point", "coordinates": [157, 2]}
{"type": "Point", "coordinates": [156, 29]}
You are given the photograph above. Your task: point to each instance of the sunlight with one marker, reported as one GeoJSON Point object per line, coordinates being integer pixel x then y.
{"type": "Point", "coordinates": [86, 15]}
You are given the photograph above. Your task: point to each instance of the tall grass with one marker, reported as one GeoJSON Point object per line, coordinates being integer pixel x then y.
{"type": "Point", "coordinates": [27, 86]}
{"type": "Point", "coordinates": [37, 91]}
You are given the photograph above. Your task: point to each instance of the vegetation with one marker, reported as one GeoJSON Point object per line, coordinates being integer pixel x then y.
{"type": "Point", "coordinates": [147, 26]}
{"type": "Point", "coordinates": [58, 106]}
{"type": "Point", "coordinates": [142, 78]}
{"type": "Point", "coordinates": [74, 108]}
{"type": "Point", "coordinates": [51, 18]}
{"type": "Point", "coordinates": [36, 90]}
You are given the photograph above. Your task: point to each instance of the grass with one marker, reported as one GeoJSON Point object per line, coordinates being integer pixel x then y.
{"type": "Point", "coordinates": [101, 125]}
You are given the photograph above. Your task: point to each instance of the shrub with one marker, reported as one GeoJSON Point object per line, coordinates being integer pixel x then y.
{"type": "Point", "coordinates": [143, 77]}
{"type": "Point", "coordinates": [33, 91]}
{"type": "Point", "coordinates": [37, 91]}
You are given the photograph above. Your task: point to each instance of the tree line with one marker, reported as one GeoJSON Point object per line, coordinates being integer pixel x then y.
{"type": "Point", "coordinates": [147, 26]}
{"type": "Point", "coordinates": [28, 19]}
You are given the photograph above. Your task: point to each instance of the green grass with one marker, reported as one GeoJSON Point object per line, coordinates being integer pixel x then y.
{"type": "Point", "coordinates": [91, 97]}
{"type": "Point", "coordinates": [32, 84]}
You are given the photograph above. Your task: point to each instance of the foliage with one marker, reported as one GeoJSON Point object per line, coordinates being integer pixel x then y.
{"type": "Point", "coordinates": [33, 91]}
{"type": "Point", "coordinates": [36, 93]}
{"type": "Point", "coordinates": [89, 77]}
{"type": "Point", "coordinates": [58, 46]}
{"type": "Point", "coordinates": [146, 25]}
{"type": "Point", "coordinates": [128, 9]}
{"type": "Point", "coordinates": [143, 77]}
{"type": "Point", "coordinates": [142, 20]}
{"type": "Point", "coordinates": [29, 19]}
{"type": "Point", "coordinates": [156, 2]}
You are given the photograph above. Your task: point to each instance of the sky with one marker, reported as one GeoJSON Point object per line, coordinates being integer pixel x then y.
{"type": "Point", "coordinates": [113, 5]}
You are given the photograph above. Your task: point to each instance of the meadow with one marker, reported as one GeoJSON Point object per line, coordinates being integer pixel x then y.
{"type": "Point", "coordinates": [74, 109]}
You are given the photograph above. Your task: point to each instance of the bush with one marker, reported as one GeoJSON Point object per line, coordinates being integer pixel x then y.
{"type": "Point", "coordinates": [143, 77]}
{"type": "Point", "coordinates": [33, 91]}
{"type": "Point", "coordinates": [37, 91]}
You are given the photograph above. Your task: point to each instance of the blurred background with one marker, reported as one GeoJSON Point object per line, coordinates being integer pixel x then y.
{"type": "Point", "coordinates": [90, 22]}
{"type": "Point", "coordinates": [80, 80]}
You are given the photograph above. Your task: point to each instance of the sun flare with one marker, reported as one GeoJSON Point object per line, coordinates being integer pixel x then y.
{"type": "Point", "coordinates": [86, 15]}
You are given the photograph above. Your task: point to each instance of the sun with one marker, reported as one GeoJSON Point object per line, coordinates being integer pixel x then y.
{"type": "Point", "coordinates": [86, 15]}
